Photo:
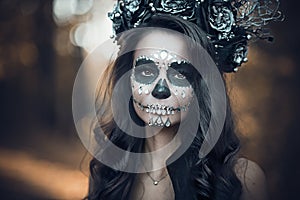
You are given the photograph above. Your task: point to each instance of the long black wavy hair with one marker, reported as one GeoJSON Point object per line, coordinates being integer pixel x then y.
{"type": "Point", "coordinates": [212, 177]}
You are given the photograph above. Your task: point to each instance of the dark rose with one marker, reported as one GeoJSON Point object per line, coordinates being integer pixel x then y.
{"type": "Point", "coordinates": [132, 5]}
{"type": "Point", "coordinates": [240, 54]}
{"type": "Point", "coordinates": [176, 6]}
{"type": "Point", "coordinates": [221, 18]}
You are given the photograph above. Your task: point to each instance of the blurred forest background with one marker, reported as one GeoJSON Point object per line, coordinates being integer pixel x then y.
{"type": "Point", "coordinates": [42, 45]}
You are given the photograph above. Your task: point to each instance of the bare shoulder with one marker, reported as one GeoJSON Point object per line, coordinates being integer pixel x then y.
{"type": "Point", "coordinates": [253, 180]}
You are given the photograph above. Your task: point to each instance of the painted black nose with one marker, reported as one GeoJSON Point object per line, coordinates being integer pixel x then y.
{"type": "Point", "coordinates": [161, 90]}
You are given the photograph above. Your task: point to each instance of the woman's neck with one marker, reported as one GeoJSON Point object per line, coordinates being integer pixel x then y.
{"type": "Point", "coordinates": [158, 138]}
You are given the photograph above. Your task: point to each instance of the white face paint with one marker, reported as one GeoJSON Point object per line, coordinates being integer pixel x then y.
{"type": "Point", "coordinates": [161, 92]}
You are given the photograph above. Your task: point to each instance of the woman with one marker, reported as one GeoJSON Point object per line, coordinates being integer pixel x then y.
{"type": "Point", "coordinates": [160, 104]}
{"type": "Point", "coordinates": [158, 81]}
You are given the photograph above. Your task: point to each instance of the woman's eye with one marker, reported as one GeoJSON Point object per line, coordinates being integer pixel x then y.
{"type": "Point", "coordinates": [147, 73]}
{"type": "Point", "coordinates": [179, 76]}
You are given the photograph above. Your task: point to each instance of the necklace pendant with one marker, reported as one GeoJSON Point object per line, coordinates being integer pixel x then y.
{"type": "Point", "coordinates": [155, 182]}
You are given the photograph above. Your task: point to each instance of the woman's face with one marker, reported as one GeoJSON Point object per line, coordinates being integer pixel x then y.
{"type": "Point", "coordinates": [161, 92]}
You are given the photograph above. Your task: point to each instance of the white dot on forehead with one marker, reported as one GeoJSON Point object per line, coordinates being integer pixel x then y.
{"type": "Point", "coordinates": [170, 57]}
{"type": "Point", "coordinates": [156, 56]}
{"type": "Point", "coordinates": [163, 54]}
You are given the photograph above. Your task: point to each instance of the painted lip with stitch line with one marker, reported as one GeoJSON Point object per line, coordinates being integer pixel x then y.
{"type": "Point", "coordinates": [160, 109]}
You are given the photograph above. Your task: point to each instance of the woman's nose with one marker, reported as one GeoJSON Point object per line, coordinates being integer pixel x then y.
{"type": "Point", "coordinates": [161, 90]}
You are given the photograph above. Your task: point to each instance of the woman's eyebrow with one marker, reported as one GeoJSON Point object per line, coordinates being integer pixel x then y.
{"type": "Point", "coordinates": [181, 65]}
{"type": "Point", "coordinates": [141, 61]}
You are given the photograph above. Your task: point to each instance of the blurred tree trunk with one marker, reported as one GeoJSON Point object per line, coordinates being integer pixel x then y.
{"type": "Point", "coordinates": [44, 40]}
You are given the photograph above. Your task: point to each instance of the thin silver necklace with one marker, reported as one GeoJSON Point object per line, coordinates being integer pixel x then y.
{"type": "Point", "coordinates": [155, 181]}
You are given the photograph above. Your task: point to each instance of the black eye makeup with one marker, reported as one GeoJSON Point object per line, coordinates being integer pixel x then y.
{"type": "Point", "coordinates": [145, 71]}
{"type": "Point", "coordinates": [180, 73]}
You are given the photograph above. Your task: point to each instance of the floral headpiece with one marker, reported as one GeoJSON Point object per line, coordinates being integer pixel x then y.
{"type": "Point", "coordinates": [229, 24]}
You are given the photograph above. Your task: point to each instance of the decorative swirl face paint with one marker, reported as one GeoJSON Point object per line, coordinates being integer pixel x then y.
{"type": "Point", "coordinates": [161, 87]}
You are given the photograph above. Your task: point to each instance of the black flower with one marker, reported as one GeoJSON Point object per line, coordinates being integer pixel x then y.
{"type": "Point", "coordinates": [221, 18]}
{"type": "Point", "coordinates": [132, 5]}
{"type": "Point", "coordinates": [240, 54]}
{"type": "Point", "coordinates": [176, 6]}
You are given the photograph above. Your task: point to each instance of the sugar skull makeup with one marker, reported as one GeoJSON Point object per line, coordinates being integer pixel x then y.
{"type": "Point", "coordinates": [161, 89]}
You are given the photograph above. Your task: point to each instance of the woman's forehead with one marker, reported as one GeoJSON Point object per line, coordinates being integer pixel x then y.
{"type": "Point", "coordinates": [159, 55]}
{"type": "Point", "coordinates": [162, 41]}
